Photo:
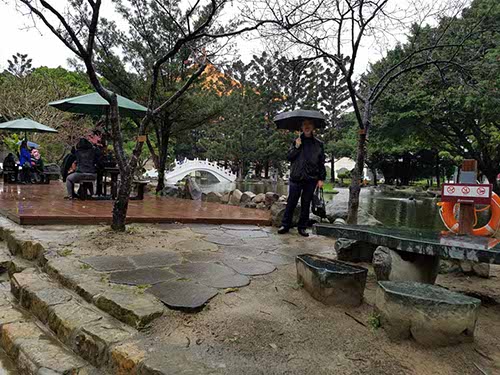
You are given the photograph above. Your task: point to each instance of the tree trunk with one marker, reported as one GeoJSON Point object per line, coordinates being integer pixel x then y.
{"type": "Point", "coordinates": [266, 170]}
{"type": "Point", "coordinates": [438, 174]}
{"type": "Point", "coordinates": [357, 173]}
{"type": "Point", "coordinates": [374, 172]}
{"type": "Point", "coordinates": [154, 157]}
{"type": "Point", "coordinates": [356, 176]}
{"type": "Point", "coordinates": [165, 139]}
{"type": "Point", "coordinates": [332, 167]}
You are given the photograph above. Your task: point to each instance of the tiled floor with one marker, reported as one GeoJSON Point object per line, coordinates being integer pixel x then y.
{"type": "Point", "coordinates": [45, 204]}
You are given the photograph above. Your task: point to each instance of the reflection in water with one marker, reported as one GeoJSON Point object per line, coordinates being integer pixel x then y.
{"type": "Point", "coordinates": [421, 213]}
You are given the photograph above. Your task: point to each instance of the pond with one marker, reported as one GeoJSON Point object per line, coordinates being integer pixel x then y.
{"type": "Point", "coordinates": [421, 213]}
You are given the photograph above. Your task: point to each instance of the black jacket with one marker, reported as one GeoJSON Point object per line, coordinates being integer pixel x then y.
{"type": "Point", "coordinates": [308, 161]}
{"type": "Point", "coordinates": [87, 157]}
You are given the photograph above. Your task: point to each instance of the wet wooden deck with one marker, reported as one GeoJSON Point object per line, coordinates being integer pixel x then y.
{"type": "Point", "coordinates": [45, 204]}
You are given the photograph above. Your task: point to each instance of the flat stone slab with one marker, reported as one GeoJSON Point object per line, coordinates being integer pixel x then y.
{"type": "Point", "coordinates": [241, 251]}
{"type": "Point", "coordinates": [240, 227]}
{"type": "Point", "coordinates": [204, 256]}
{"type": "Point", "coordinates": [250, 267]}
{"type": "Point", "coordinates": [245, 234]}
{"type": "Point", "coordinates": [275, 259]}
{"type": "Point", "coordinates": [331, 282]}
{"type": "Point", "coordinates": [196, 245]}
{"type": "Point", "coordinates": [156, 259]}
{"type": "Point", "coordinates": [212, 275]}
{"type": "Point", "coordinates": [142, 276]}
{"type": "Point", "coordinates": [182, 294]}
{"type": "Point", "coordinates": [446, 246]}
{"type": "Point", "coordinates": [223, 240]}
{"type": "Point", "coordinates": [109, 263]}
{"type": "Point", "coordinates": [432, 315]}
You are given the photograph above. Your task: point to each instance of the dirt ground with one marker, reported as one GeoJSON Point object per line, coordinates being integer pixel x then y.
{"type": "Point", "coordinates": [274, 327]}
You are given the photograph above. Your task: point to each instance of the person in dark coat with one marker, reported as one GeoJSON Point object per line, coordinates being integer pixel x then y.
{"type": "Point", "coordinates": [10, 166]}
{"type": "Point", "coordinates": [307, 172]}
{"type": "Point", "coordinates": [25, 162]}
{"type": "Point", "coordinates": [86, 160]}
{"type": "Point", "coordinates": [67, 164]}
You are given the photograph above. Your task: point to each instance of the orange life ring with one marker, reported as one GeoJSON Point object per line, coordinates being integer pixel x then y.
{"type": "Point", "coordinates": [448, 216]}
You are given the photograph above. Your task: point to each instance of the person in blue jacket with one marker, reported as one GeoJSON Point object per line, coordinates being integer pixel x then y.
{"type": "Point", "coordinates": [25, 162]}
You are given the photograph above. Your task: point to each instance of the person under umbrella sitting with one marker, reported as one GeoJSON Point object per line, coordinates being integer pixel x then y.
{"type": "Point", "coordinates": [37, 165]}
{"type": "Point", "coordinates": [87, 158]}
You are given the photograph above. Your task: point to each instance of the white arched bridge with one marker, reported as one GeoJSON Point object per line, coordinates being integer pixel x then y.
{"type": "Point", "coordinates": [185, 167]}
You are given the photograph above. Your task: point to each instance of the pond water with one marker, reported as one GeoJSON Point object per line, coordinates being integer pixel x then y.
{"type": "Point", "coordinates": [421, 213]}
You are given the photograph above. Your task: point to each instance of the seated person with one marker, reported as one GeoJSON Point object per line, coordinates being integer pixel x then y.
{"type": "Point", "coordinates": [10, 166]}
{"type": "Point", "coordinates": [86, 160]}
{"type": "Point", "coordinates": [37, 165]}
{"type": "Point", "coordinates": [69, 164]}
{"type": "Point", "coordinates": [25, 162]}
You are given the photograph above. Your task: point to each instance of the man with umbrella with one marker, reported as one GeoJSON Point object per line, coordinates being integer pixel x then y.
{"type": "Point", "coordinates": [307, 171]}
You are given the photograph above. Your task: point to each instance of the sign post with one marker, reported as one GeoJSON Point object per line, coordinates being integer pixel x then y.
{"type": "Point", "coordinates": [466, 214]}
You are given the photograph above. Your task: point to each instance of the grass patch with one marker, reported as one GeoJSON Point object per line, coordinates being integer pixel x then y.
{"type": "Point", "coordinates": [374, 320]}
{"type": "Point", "coordinates": [84, 266]}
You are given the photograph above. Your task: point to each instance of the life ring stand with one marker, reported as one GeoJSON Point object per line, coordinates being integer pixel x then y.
{"type": "Point", "coordinates": [447, 213]}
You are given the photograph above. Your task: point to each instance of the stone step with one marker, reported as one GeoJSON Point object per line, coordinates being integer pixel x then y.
{"type": "Point", "coordinates": [127, 304]}
{"type": "Point", "coordinates": [89, 332]}
{"type": "Point", "coordinates": [34, 350]}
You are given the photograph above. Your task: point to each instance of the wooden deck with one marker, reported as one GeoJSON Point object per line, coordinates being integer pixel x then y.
{"type": "Point", "coordinates": [45, 204]}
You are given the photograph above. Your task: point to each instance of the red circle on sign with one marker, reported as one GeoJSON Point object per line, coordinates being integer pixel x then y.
{"type": "Point", "coordinates": [465, 190]}
{"type": "Point", "coordinates": [450, 189]}
{"type": "Point", "coordinates": [481, 191]}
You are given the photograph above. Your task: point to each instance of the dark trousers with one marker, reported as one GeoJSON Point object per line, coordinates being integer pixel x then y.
{"type": "Point", "coordinates": [305, 191]}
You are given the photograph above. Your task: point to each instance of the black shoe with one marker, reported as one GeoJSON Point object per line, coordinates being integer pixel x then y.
{"type": "Point", "coordinates": [283, 230]}
{"type": "Point", "coordinates": [303, 233]}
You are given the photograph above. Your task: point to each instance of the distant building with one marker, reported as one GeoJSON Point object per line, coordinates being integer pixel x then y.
{"type": "Point", "coordinates": [343, 165]}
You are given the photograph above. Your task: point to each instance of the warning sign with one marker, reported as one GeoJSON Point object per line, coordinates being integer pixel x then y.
{"type": "Point", "coordinates": [466, 193]}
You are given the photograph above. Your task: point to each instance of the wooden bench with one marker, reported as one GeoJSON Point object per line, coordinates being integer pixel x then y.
{"type": "Point", "coordinates": [7, 177]}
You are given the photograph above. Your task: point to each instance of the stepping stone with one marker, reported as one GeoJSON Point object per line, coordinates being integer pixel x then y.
{"type": "Point", "coordinates": [204, 256]}
{"type": "Point", "coordinates": [240, 227]}
{"type": "Point", "coordinates": [170, 226]}
{"type": "Point", "coordinates": [109, 263]}
{"type": "Point", "coordinates": [156, 259]}
{"type": "Point", "coordinates": [183, 294]}
{"type": "Point", "coordinates": [241, 251]}
{"type": "Point", "coordinates": [432, 315]}
{"type": "Point", "coordinates": [196, 245]}
{"type": "Point", "coordinates": [330, 281]}
{"type": "Point", "coordinates": [223, 240]}
{"type": "Point", "coordinates": [245, 234]}
{"type": "Point", "coordinates": [205, 229]}
{"type": "Point", "coordinates": [143, 276]}
{"type": "Point", "coordinates": [249, 267]}
{"type": "Point", "coordinates": [210, 274]}
{"type": "Point", "coordinates": [276, 259]}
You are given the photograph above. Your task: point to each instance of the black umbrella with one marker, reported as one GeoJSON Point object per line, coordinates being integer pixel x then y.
{"type": "Point", "coordinates": [293, 120]}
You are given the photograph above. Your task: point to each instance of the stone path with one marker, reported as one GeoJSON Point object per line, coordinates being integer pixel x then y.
{"type": "Point", "coordinates": [192, 273]}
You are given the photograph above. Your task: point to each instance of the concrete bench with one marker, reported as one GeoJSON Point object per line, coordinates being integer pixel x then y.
{"type": "Point", "coordinates": [140, 186]}
{"type": "Point", "coordinates": [432, 315]}
{"type": "Point", "coordinates": [413, 255]}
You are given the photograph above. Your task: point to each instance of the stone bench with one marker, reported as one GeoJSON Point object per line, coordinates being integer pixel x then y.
{"type": "Point", "coordinates": [404, 254]}
{"type": "Point", "coordinates": [330, 281]}
{"type": "Point", "coordinates": [432, 315]}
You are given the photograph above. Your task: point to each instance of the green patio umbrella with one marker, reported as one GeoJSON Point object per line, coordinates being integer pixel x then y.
{"type": "Point", "coordinates": [27, 126]}
{"type": "Point", "coordinates": [95, 105]}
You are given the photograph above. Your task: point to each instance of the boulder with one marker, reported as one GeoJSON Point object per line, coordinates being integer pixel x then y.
{"type": "Point", "coordinates": [283, 198]}
{"type": "Point", "coordinates": [260, 198]}
{"type": "Point", "coordinates": [170, 191]}
{"type": "Point", "coordinates": [336, 209]}
{"type": "Point", "coordinates": [214, 197]}
{"type": "Point", "coordinates": [235, 197]}
{"type": "Point", "coordinates": [249, 205]}
{"type": "Point", "coordinates": [247, 197]}
{"type": "Point", "coordinates": [392, 265]}
{"type": "Point", "coordinates": [339, 221]}
{"type": "Point", "coordinates": [271, 198]}
{"type": "Point", "coordinates": [225, 197]}
{"type": "Point", "coordinates": [475, 269]}
{"type": "Point", "coordinates": [278, 210]}
{"type": "Point", "coordinates": [261, 206]}
{"type": "Point", "coordinates": [354, 251]}
{"type": "Point", "coordinates": [192, 190]}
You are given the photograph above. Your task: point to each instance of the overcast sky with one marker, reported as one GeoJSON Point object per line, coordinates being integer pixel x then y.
{"type": "Point", "coordinates": [46, 50]}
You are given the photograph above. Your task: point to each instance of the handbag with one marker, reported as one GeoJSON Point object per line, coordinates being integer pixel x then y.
{"type": "Point", "coordinates": [318, 204]}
